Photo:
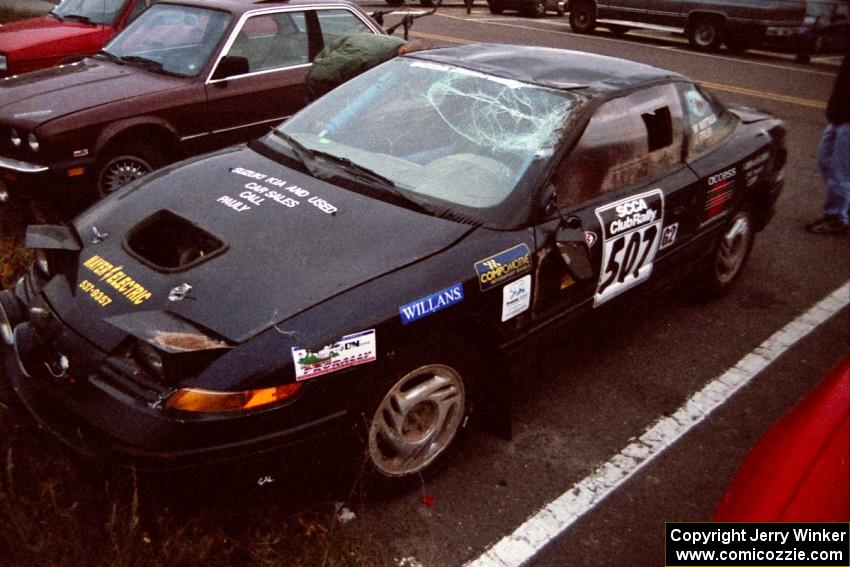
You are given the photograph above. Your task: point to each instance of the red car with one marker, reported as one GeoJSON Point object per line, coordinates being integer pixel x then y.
{"type": "Point", "coordinates": [800, 469]}
{"type": "Point", "coordinates": [74, 28]}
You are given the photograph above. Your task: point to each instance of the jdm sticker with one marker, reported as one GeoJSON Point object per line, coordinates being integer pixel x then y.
{"type": "Point", "coordinates": [516, 297]}
{"type": "Point", "coordinates": [503, 266]}
{"type": "Point", "coordinates": [350, 350]}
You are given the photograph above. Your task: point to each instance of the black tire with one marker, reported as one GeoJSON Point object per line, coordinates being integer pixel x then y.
{"type": "Point", "coordinates": [124, 164]}
{"type": "Point", "coordinates": [495, 7]}
{"type": "Point", "coordinates": [583, 16]}
{"type": "Point", "coordinates": [730, 254]}
{"type": "Point", "coordinates": [416, 419]}
{"type": "Point", "coordinates": [706, 33]}
{"type": "Point", "coordinates": [536, 10]}
{"type": "Point", "coordinates": [395, 2]}
{"type": "Point", "coordinates": [618, 30]}
{"type": "Point", "coordinates": [737, 43]}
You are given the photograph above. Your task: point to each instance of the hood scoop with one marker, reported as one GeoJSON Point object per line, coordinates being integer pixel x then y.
{"type": "Point", "coordinates": [169, 243]}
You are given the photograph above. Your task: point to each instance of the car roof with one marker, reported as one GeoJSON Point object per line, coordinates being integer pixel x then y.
{"type": "Point", "coordinates": [241, 6]}
{"type": "Point", "coordinates": [548, 67]}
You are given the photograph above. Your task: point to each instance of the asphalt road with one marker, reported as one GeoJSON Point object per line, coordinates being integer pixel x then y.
{"type": "Point", "coordinates": [579, 403]}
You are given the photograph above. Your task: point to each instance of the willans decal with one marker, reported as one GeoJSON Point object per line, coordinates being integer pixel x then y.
{"type": "Point", "coordinates": [350, 350]}
{"type": "Point", "coordinates": [429, 304]}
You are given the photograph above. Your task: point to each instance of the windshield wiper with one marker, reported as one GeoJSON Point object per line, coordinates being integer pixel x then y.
{"type": "Point", "coordinates": [111, 56]}
{"type": "Point", "coordinates": [149, 64]}
{"type": "Point", "coordinates": [308, 156]}
{"type": "Point", "coordinates": [79, 18]}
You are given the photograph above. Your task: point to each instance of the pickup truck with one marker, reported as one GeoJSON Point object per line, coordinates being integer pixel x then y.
{"type": "Point", "coordinates": [739, 24]}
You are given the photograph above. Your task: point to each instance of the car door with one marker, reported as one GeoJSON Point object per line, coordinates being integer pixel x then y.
{"type": "Point", "coordinates": [624, 202]}
{"type": "Point", "coordinates": [274, 50]}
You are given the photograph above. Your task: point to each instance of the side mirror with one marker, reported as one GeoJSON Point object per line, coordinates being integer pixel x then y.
{"type": "Point", "coordinates": [231, 66]}
{"type": "Point", "coordinates": [574, 252]}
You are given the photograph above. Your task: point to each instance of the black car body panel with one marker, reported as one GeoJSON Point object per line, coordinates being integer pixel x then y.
{"type": "Point", "coordinates": [279, 265]}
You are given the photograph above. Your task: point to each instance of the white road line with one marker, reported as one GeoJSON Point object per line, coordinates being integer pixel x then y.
{"type": "Point", "coordinates": [553, 519]}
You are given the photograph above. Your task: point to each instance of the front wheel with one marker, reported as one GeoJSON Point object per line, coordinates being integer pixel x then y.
{"type": "Point", "coordinates": [730, 255]}
{"type": "Point", "coordinates": [583, 16]}
{"type": "Point", "coordinates": [706, 33]}
{"type": "Point", "coordinates": [417, 421]}
{"type": "Point", "coordinates": [125, 164]}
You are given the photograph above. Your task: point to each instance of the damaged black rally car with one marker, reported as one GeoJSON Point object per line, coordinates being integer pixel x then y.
{"type": "Point", "coordinates": [377, 259]}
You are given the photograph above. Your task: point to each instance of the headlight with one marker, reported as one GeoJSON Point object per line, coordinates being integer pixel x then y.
{"type": "Point", "coordinates": [15, 138]}
{"type": "Point", "coordinates": [4, 66]}
{"type": "Point", "coordinates": [32, 142]}
{"type": "Point", "coordinates": [216, 401]}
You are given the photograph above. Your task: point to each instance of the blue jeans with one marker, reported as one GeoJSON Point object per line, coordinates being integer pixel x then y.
{"type": "Point", "coordinates": [834, 165]}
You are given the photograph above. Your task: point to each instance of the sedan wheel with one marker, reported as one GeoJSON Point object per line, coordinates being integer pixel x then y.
{"type": "Point", "coordinates": [126, 165]}
{"type": "Point", "coordinates": [417, 421]}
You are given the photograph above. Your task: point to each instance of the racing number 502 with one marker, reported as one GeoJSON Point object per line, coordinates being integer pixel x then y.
{"type": "Point", "coordinates": [620, 270]}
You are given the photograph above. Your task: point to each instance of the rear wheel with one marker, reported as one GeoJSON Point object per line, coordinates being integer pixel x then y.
{"type": "Point", "coordinates": [730, 255]}
{"type": "Point", "coordinates": [583, 16]}
{"type": "Point", "coordinates": [417, 420]}
{"type": "Point", "coordinates": [706, 33]}
{"type": "Point", "coordinates": [124, 164]}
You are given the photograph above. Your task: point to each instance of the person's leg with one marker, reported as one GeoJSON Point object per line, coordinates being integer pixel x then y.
{"type": "Point", "coordinates": [838, 181]}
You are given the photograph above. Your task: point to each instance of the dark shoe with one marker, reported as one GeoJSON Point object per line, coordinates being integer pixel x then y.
{"type": "Point", "coordinates": [828, 225]}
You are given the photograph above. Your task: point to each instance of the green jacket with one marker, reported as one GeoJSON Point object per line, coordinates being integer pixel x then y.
{"type": "Point", "coordinates": [346, 58]}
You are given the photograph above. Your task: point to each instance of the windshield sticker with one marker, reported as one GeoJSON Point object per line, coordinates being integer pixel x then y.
{"type": "Point", "coordinates": [114, 277]}
{"type": "Point", "coordinates": [350, 350]}
{"type": "Point", "coordinates": [503, 266]}
{"type": "Point", "coordinates": [429, 304]}
{"type": "Point", "coordinates": [721, 188]}
{"type": "Point", "coordinates": [631, 230]}
{"type": "Point", "coordinates": [267, 189]}
{"type": "Point", "coordinates": [516, 298]}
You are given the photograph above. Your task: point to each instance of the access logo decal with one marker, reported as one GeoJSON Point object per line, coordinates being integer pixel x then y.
{"type": "Point", "coordinates": [503, 266]}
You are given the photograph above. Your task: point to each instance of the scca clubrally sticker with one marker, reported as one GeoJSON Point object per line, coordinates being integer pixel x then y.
{"type": "Point", "coordinates": [503, 267]}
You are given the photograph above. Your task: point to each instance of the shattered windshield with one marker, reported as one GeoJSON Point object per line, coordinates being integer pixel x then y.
{"type": "Point", "coordinates": [171, 39]}
{"type": "Point", "coordinates": [89, 11]}
{"type": "Point", "coordinates": [460, 143]}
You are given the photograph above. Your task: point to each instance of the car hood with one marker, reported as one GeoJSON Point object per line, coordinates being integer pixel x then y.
{"type": "Point", "coordinates": [282, 251]}
{"type": "Point", "coordinates": [37, 97]}
{"type": "Point", "coordinates": [36, 37]}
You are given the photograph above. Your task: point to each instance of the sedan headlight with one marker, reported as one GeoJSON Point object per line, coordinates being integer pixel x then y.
{"type": "Point", "coordinates": [15, 138]}
{"type": "Point", "coordinates": [200, 400]}
{"type": "Point", "coordinates": [4, 64]}
{"type": "Point", "coordinates": [32, 142]}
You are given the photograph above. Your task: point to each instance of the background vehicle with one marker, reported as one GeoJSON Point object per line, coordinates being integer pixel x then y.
{"type": "Point", "coordinates": [799, 471]}
{"type": "Point", "coordinates": [183, 78]}
{"type": "Point", "coordinates": [825, 29]}
{"type": "Point", "coordinates": [75, 28]}
{"type": "Point", "coordinates": [531, 8]}
{"type": "Point", "coordinates": [708, 24]}
{"type": "Point", "coordinates": [247, 300]}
